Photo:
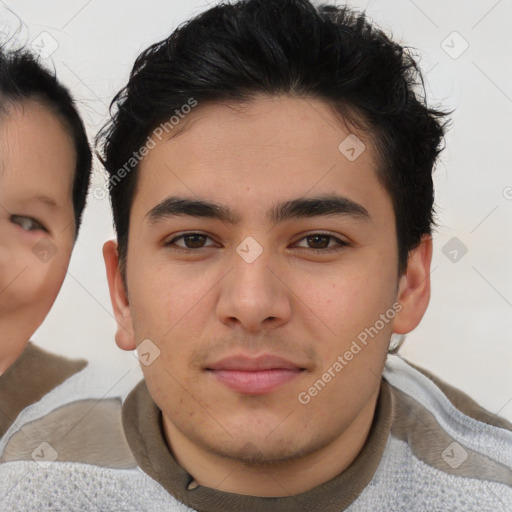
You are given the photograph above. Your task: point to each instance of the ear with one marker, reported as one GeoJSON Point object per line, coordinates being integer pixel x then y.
{"type": "Point", "coordinates": [125, 337]}
{"type": "Point", "coordinates": [414, 288]}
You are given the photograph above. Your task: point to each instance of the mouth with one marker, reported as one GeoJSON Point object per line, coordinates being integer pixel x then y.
{"type": "Point", "coordinates": [254, 375]}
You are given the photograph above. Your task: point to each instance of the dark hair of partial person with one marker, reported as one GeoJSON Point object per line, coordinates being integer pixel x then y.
{"type": "Point", "coordinates": [235, 52]}
{"type": "Point", "coordinates": [23, 78]}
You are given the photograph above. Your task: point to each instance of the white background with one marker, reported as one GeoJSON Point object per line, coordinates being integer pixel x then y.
{"type": "Point", "coordinates": [465, 337]}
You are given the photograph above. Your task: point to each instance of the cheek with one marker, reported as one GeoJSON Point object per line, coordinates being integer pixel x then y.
{"type": "Point", "coordinates": [346, 298]}
{"type": "Point", "coordinates": [32, 271]}
{"type": "Point", "coordinates": [164, 298]}
{"type": "Point", "coordinates": [41, 283]}
{"type": "Point", "coordinates": [170, 309]}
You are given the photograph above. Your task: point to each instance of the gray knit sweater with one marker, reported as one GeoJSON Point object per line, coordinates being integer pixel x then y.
{"type": "Point", "coordinates": [428, 455]}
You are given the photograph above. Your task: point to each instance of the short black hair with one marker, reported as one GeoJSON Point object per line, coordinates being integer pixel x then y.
{"type": "Point", "coordinates": [22, 78]}
{"type": "Point", "coordinates": [234, 52]}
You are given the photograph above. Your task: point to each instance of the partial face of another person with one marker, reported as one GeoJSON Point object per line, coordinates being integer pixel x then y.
{"type": "Point", "coordinates": [37, 165]}
{"type": "Point", "coordinates": [243, 305]}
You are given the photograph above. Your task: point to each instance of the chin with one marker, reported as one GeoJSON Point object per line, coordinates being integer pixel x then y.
{"type": "Point", "coordinates": [260, 451]}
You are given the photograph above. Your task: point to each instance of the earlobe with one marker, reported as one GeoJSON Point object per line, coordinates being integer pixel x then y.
{"type": "Point", "coordinates": [125, 337]}
{"type": "Point", "coordinates": [414, 288]}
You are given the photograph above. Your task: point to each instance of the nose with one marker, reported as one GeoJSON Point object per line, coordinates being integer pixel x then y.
{"type": "Point", "coordinates": [253, 296]}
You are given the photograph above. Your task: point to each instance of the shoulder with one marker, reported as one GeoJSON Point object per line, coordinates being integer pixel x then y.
{"type": "Point", "coordinates": [444, 447]}
{"type": "Point", "coordinates": [464, 402]}
{"type": "Point", "coordinates": [77, 421]}
{"type": "Point", "coordinates": [34, 374]}
{"type": "Point", "coordinates": [69, 449]}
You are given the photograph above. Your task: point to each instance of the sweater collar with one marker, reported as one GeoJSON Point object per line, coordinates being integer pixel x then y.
{"type": "Point", "coordinates": [142, 421]}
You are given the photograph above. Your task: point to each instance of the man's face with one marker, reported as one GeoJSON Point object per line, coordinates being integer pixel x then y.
{"type": "Point", "coordinates": [247, 316]}
{"type": "Point", "coordinates": [37, 163]}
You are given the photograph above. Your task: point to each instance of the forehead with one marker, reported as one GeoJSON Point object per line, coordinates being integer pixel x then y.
{"type": "Point", "coordinates": [279, 123]}
{"type": "Point", "coordinates": [253, 153]}
{"type": "Point", "coordinates": [37, 154]}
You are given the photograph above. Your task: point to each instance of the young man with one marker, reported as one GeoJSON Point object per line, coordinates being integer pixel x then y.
{"type": "Point", "coordinates": [271, 181]}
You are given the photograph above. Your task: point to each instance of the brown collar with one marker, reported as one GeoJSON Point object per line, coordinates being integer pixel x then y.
{"type": "Point", "coordinates": [142, 421]}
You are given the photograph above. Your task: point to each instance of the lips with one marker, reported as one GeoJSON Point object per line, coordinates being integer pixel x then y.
{"type": "Point", "coordinates": [254, 375]}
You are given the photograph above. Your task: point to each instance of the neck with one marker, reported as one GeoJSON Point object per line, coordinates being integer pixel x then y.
{"type": "Point", "coordinates": [11, 347]}
{"type": "Point", "coordinates": [273, 480]}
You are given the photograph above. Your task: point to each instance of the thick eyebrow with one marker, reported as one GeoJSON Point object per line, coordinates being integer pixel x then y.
{"type": "Point", "coordinates": [316, 207]}
{"type": "Point", "coordinates": [325, 205]}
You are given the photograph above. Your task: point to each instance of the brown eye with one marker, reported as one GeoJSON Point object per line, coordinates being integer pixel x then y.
{"type": "Point", "coordinates": [321, 243]}
{"type": "Point", "coordinates": [189, 241]}
{"type": "Point", "coordinates": [194, 241]}
{"type": "Point", "coordinates": [318, 241]}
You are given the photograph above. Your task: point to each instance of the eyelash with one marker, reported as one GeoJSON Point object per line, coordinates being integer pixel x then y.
{"type": "Point", "coordinates": [39, 227]}
{"type": "Point", "coordinates": [341, 243]}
